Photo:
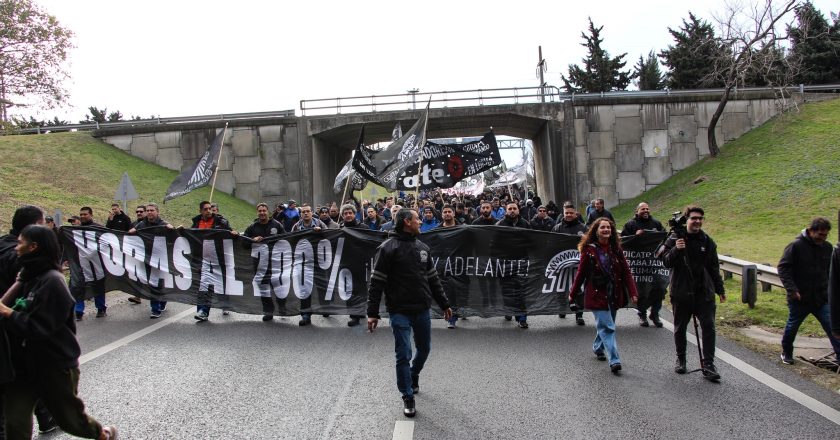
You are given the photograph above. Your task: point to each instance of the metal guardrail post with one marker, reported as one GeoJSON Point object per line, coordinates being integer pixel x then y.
{"type": "Point", "coordinates": [748, 284]}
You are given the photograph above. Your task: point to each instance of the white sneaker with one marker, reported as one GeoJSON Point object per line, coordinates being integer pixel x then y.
{"type": "Point", "coordinates": [201, 316]}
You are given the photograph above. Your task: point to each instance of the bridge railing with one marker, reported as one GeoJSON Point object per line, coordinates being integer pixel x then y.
{"type": "Point", "coordinates": [158, 121]}
{"type": "Point", "coordinates": [510, 95]}
{"type": "Point", "coordinates": [752, 274]}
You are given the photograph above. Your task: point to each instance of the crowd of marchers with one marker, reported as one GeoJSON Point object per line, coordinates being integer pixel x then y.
{"type": "Point", "coordinates": [30, 273]}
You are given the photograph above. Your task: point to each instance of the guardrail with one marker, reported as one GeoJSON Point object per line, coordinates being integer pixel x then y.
{"type": "Point", "coordinates": [751, 274]}
{"type": "Point", "coordinates": [158, 121]}
{"type": "Point", "coordinates": [510, 95]}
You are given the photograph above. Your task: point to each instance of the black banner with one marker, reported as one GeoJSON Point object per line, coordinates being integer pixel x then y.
{"type": "Point", "coordinates": [200, 173]}
{"type": "Point", "coordinates": [486, 270]}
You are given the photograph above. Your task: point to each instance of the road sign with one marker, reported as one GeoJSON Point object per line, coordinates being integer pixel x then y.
{"type": "Point", "coordinates": [126, 190]}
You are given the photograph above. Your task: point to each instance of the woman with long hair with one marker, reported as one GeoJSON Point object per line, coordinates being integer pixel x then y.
{"type": "Point", "coordinates": [607, 283]}
{"type": "Point", "coordinates": [42, 336]}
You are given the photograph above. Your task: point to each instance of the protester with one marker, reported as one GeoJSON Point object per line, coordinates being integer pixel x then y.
{"type": "Point", "coordinates": [152, 220]}
{"type": "Point", "coordinates": [641, 223]}
{"type": "Point", "coordinates": [834, 292]}
{"type": "Point", "coordinates": [570, 224]}
{"type": "Point", "coordinates": [541, 221]}
{"type": "Point", "coordinates": [403, 271]}
{"type": "Point", "coordinates": [373, 220]}
{"type": "Point", "coordinates": [608, 283]}
{"type": "Point", "coordinates": [264, 227]}
{"type": "Point", "coordinates": [348, 214]}
{"type": "Point", "coordinates": [389, 226]}
{"type": "Point", "coordinates": [804, 271]}
{"type": "Point", "coordinates": [9, 268]}
{"type": "Point", "coordinates": [307, 221]}
{"type": "Point", "coordinates": [42, 338]}
{"type": "Point", "coordinates": [429, 220]}
{"type": "Point", "coordinates": [74, 220]}
{"type": "Point", "coordinates": [117, 219]}
{"type": "Point", "coordinates": [513, 289]}
{"type": "Point", "coordinates": [80, 287]}
{"type": "Point", "coordinates": [140, 214]}
{"type": "Point", "coordinates": [289, 215]}
{"type": "Point", "coordinates": [598, 212]}
{"type": "Point", "coordinates": [486, 218]}
{"type": "Point", "coordinates": [324, 216]}
{"type": "Point", "coordinates": [207, 220]}
{"type": "Point", "coordinates": [498, 211]}
{"type": "Point", "coordinates": [695, 279]}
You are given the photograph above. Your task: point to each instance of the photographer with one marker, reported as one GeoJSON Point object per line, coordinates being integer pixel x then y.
{"type": "Point", "coordinates": [695, 277]}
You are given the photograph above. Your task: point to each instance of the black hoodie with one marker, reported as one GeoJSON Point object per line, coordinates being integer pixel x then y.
{"type": "Point", "coordinates": [804, 268]}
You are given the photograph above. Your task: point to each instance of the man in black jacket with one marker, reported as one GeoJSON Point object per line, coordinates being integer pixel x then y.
{"type": "Point", "coordinates": [403, 270]}
{"type": "Point", "coordinates": [695, 279]}
{"type": "Point", "coordinates": [541, 221]}
{"type": "Point", "coordinates": [79, 287]}
{"type": "Point", "coordinates": [348, 214]}
{"type": "Point", "coordinates": [804, 269]}
{"type": "Point", "coordinates": [117, 219]}
{"type": "Point", "coordinates": [598, 212]}
{"type": "Point", "coordinates": [152, 220]}
{"type": "Point", "coordinates": [263, 227]}
{"type": "Point", "coordinates": [486, 217]}
{"type": "Point", "coordinates": [513, 290]}
{"type": "Point", "coordinates": [208, 220]}
{"type": "Point", "coordinates": [570, 224]}
{"type": "Point", "coordinates": [641, 223]}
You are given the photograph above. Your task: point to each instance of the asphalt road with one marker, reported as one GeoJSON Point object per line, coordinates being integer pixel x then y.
{"type": "Point", "coordinates": [236, 377]}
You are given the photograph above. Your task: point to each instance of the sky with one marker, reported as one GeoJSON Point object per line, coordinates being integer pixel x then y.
{"type": "Point", "coordinates": [183, 58]}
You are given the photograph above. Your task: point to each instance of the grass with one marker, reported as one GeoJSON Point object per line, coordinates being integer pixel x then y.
{"type": "Point", "coordinates": [758, 194]}
{"type": "Point", "coordinates": [69, 170]}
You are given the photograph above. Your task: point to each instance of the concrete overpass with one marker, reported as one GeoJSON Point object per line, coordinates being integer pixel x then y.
{"type": "Point", "coordinates": [611, 147]}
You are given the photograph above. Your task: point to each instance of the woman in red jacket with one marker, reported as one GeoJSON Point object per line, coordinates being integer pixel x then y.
{"type": "Point", "coordinates": [607, 283]}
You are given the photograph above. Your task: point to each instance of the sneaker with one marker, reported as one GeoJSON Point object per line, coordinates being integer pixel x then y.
{"type": "Point", "coordinates": [450, 324]}
{"type": "Point", "coordinates": [101, 313]}
{"type": "Point", "coordinates": [615, 368]}
{"type": "Point", "coordinates": [562, 316]}
{"type": "Point", "coordinates": [267, 318]}
{"type": "Point", "coordinates": [656, 321]}
{"type": "Point", "coordinates": [80, 315]}
{"type": "Point", "coordinates": [710, 372]}
{"type": "Point", "coordinates": [134, 300]}
{"type": "Point", "coordinates": [354, 322]}
{"type": "Point", "coordinates": [523, 324]}
{"type": "Point", "coordinates": [109, 432]}
{"type": "Point", "coordinates": [643, 322]}
{"type": "Point", "coordinates": [408, 406]}
{"type": "Point", "coordinates": [580, 321]}
{"type": "Point", "coordinates": [600, 356]}
{"type": "Point", "coordinates": [304, 322]}
{"type": "Point", "coordinates": [48, 426]}
{"type": "Point", "coordinates": [201, 316]}
{"type": "Point", "coordinates": [163, 307]}
{"type": "Point", "coordinates": [225, 313]}
{"type": "Point", "coordinates": [679, 367]}
{"type": "Point", "coordinates": [786, 358]}
{"type": "Point", "coordinates": [508, 318]}
{"type": "Point", "coordinates": [415, 384]}
{"type": "Point", "coordinates": [154, 315]}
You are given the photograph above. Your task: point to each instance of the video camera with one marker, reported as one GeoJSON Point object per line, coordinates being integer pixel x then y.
{"type": "Point", "coordinates": [677, 224]}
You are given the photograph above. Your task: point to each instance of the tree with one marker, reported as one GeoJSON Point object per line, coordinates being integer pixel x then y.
{"type": "Point", "coordinates": [33, 51]}
{"type": "Point", "coordinates": [750, 39]}
{"type": "Point", "coordinates": [600, 72]}
{"type": "Point", "coordinates": [100, 116]}
{"type": "Point", "coordinates": [815, 45]}
{"type": "Point", "coordinates": [688, 59]}
{"type": "Point", "coordinates": [648, 75]}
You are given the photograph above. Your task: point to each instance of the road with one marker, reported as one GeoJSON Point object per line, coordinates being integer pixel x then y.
{"type": "Point", "coordinates": [236, 377]}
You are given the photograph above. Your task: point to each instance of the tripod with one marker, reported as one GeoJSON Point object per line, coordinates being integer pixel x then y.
{"type": "Point", "coordinates": [707, 374]}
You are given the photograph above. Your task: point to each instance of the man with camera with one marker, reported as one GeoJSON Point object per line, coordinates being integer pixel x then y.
{"type": "Point", "coordinates": [691, 254]}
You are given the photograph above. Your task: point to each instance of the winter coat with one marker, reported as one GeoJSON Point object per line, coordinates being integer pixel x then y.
{"type": "Point", "coordinates": [518, 223]}
{"type": "Point", "coordinates": [542, 224]}
{"type": "Point", "coordinates": [697, 263]}
{"type": "Point", "coordinates": [120, 222]}
{"type": "Point", "coordinates": [603, 289]}
{"type": "Point", "coordinates": [636, 224]}
{"type": "Point", "coordinates": [573, 228]}
{"type": "Point", "coordinates": [595, 215]}
{"type": "Point", "coordinates": [219, 222]}
{"type": "Point", "coordinates": [834, 290]}
{"type": "Point", "coordinates": [804, 268]}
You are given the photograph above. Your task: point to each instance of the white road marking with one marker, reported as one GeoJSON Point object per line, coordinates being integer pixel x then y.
{"type": "Point", "coordinates": [87, 357]}
{"type": "Point", "coordinates": [784, 389]}
{"type": "Point", "coordinates": [403, 430]}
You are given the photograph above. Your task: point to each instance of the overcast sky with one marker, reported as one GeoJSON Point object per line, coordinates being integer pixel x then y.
{"type": "Point", "coordinates": [182, 58]}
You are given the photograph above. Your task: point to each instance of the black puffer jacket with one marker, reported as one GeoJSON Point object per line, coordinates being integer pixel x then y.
{"type": "Point", "coordinates": [573, 228]}
{"type": "Point", "coordinates": [701, 275]}
{"type": "Point", "coordinates": [834, 290]}
{"type": "Point", "coordinates": [637, 223]}
{"type": "Point", "coordinates": [219, 222]}
{"type": "Point", "coordinates": [518, 223]}
{"type": "Point", "coordinates": [804, 268]}
{"type": "Point", "coordinates": [403, 270]}
{"type": "Point", "coordinates": [9, 266]}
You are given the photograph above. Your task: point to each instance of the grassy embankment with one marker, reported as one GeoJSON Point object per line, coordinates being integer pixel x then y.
{"type": "Point", "coordinates": [758, 195]}
{"type": "Point", "coordinates": [69, 170]}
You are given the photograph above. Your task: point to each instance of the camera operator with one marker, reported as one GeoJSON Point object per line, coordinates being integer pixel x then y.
{"type": "Point", "coordinates": [691, 254]}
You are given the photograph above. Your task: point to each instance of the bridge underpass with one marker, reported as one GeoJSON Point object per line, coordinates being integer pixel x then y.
{"type": "Point", "coordinates": [334, 137]}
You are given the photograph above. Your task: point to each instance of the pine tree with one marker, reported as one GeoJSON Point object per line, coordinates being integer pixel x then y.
{"type": "Point", "coordinates": [600, 72]}
{"type": "Point", "coordinates": [688, 60]}
{"type": "Point", "coordinates": [815, 45]}
{"type": "Point", "coordinates": [648, 75]}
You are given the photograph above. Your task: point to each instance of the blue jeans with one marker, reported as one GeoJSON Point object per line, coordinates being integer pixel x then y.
{"type": "Point", "coordinates": [98, 300]}
{"type": "Point", "coordinates": [157, 306]}
{"type": "Point", "coordinates": [402, 325]}
{"type": "Point", "coordinates": [205, 309]}
{"type": "Point", "coordinates": [605, 335]}
{"type": "Point", "coordinates": [798, 312]}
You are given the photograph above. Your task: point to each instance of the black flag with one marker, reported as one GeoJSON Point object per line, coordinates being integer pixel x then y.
{"type": "Point", "coordinates": [385, 167]}
{"type": "Point", "coordinates": [358, 183]}
{"type": "Point", "coordinates": [444, 165]}
{"type": "Point", "coordinates": [200, 173]}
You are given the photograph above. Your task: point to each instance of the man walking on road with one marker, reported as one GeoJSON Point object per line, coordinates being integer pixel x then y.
{"type": "Point", "coordinates": [804, 269]}
{"type": "Point", "coordinates": [638, 225]}
{"type": "Point", "coordinates": [695, 279]}
{"type": "Point", "coordinates": [404, 272]}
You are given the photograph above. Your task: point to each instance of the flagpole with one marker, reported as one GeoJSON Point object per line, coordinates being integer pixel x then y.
{"type": "Point", "coordinates": [219, 159]}
{"type": "Point", "coordinates": [349, 178]}
{"type": "Point", "coordinates": [422, 147]}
